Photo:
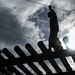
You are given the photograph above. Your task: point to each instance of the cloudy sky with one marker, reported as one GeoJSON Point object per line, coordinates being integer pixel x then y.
{"type": "Point", "coordinates": [22, 21]}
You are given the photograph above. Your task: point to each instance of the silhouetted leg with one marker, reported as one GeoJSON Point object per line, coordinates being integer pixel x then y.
{"type": "Point", "coordinates": [57, 44]}
{"type": "Point", "coordinates": [50, 43]}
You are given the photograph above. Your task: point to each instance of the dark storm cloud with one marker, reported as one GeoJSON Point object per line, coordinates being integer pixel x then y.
{"type": "Point", "coordinates": [14, 17]}
{"type": "Point", "coordinates": [9, 21]}
{"type": "Point", "coordinates": [41, 19]}
{"type": "Point", "coordinates": [12, 33]}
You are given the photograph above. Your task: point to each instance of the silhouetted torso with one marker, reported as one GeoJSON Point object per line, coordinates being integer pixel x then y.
{"type": "Point", "coordinates": [54, 29]}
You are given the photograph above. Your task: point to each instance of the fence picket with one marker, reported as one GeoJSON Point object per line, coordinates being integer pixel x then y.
{"type": "Point", "coordinates": [7, 65]}
{"type": "Point", "coordinates": [22, 54]}
{"type": "Point", "coordinates": [11, 56]}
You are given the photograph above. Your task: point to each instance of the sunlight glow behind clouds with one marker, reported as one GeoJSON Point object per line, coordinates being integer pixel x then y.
{"type": "Point", "coordinates": [71, 35]}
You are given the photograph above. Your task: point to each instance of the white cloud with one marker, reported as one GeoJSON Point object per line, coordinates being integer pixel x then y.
{"type": "Point", "coordinates": [65, 4]}
{"type": "Point", "coordinates": [23, 8]}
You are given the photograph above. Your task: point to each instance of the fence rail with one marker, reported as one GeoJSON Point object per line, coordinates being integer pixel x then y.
{"type": "Point", "coordinates": [7, 66]}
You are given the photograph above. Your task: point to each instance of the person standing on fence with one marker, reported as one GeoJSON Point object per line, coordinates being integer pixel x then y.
{"type": "Point", "coordinates": [54, 29]}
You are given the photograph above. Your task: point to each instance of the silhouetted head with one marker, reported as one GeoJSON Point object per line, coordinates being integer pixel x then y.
{"type": "Point", "coordinates": [50, 7]}
{"type": "Point", "coordinates": [66, 39]}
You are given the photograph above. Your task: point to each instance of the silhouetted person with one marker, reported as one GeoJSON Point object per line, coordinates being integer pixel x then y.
{"type": "Point", "coordinates": [54, 29]}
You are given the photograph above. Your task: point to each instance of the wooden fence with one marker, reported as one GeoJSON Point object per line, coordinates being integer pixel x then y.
{"type": "Point", "coordinates": [7, 66]}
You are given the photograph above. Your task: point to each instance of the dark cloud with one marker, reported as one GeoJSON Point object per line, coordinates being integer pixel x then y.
{"type": "Point", "coordinates": [41, 19]}
{"type": "Point", "coordinates": [9, 21]}
{"type": "Point", "coordinates": [12, 33]}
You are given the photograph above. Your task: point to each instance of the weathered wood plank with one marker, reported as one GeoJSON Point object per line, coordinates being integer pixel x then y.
{"type": "Point", "coordinates": [23, 55]}
{"type": "Point", "coordinates": [11, 56]}
{"type": "Point", "coordinates": [44, 66]}
{"type": "Point", "coordinates": [51, 59]}
{"type": "Point", "coordinates": [5, 71]}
